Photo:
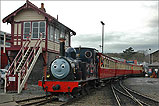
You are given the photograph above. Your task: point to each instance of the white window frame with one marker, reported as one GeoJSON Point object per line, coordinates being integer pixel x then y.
{"type": "Point", "coordinates": [53, 34]}
{"type": "Point", "coordinates": [32, 30]}
{"type": "Point", "coordinates": [44, 29]}
{"type": "Point", "coordinates": [38, 29]}
{"type": "Point", "coordinates": [48, 32]}
{"type": "Point", "coordinates": [24, 29]}
{"type": "Point", "coordinates": [57, 39]}
{"type": "Point", "coordinates": [62, 34]}
{"type": "Point", "coordinates": [67, 39]}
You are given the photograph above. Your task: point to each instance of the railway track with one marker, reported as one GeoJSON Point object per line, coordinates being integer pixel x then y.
{"type": "Point", "coordinates": [36, 101]}
{"type": "Point", "coordinates": [47, 100]}
{"type": "Point", "coordinates": [79, 99]}
{"type": "Point", "coordinates": [97, 97]}
{"type": "Point", "coordinates": [131, 97]}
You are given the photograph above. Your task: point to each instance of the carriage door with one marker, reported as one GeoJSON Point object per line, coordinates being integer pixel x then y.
{"type": "Point", "coordinates": [17, 38]}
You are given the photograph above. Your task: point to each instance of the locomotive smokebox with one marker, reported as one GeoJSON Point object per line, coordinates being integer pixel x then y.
{"type": "Point", "coordinates": [62, 46]}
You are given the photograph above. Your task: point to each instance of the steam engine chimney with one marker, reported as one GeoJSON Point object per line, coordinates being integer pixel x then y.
{"type": "Point", "coordinates": [62, 46]}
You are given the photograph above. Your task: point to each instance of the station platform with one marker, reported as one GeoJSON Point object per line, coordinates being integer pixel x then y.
{"type": "Point", "coordinates": [8, 99]}
{"type": "Point", "coordinates": [146, 86]}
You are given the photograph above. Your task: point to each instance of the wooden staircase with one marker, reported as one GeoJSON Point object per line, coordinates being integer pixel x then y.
{"type": "Point", "coordinates": [22, 66]}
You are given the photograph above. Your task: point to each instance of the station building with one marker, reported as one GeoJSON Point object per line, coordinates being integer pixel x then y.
{"type": "Point", "coordinates": [3, 57]}
{"type": "Point", "coordinates": [154, 56]}
{"type": "Point", "coordinates": [28, 23]}
{"type": "Point", "coordinates": [154, 66]}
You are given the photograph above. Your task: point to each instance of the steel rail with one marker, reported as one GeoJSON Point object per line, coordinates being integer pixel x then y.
{"type": "Point", "coordinates": [127, 95]}
{"type": "Point", "coordinates": [123, 93]}
{"type": "Point", "coordinates": [30, 99]}
{"type": "Point", "coordinates": [141, 95]}
{"type": "Point", "coordinates": [116, 97]}
{"type": "Point", "coordinates": [35, 102]}
{"type": "Point", "coordinates": [135, 99]}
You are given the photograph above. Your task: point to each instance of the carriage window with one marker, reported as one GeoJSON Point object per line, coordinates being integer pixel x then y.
{"type": "Point", "coordinates": [26, 29]}
{"type": "Point", "coordinates": [108, 63]}
{"type": "Point", "coordinates": [101, 62]}
{"type": "Point", "coordinates": [105, 61]}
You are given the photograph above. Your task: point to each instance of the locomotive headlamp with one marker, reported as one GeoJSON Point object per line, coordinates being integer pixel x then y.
{"type": "Point", "coordinates": [72, 65]}
{"type": "Point", "coordinates": [48, 76]}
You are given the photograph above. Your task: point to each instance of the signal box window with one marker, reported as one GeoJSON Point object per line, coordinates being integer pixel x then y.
{"type": "Point", "coordinates": [42, 29]}
{"type": "Point", "coordinates": [67, 40]}
{"type": "Point", "coordinates": [26, 29]}
{"type": "Point", "coordinates": [62, 34]}
{"type": "Point", "coordinates": [37, 28]}
{"type": "Point", "coordinates": [56, 35]}
{"type": "Point", "coordinates": [51, 33]}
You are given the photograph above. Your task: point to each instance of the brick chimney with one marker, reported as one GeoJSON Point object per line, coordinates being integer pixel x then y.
{"type": "Point", "coordinates": [42, 7]}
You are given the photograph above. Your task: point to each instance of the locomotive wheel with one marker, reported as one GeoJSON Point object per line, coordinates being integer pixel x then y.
{"type": "Point", "coordinates": [76, 92]}
{"type": "Point", "coordinates": [87, 89]}
{"type": "Point", "coordinates": [83, 91]}
{"type": "Point", "coordinates": [65, 97]}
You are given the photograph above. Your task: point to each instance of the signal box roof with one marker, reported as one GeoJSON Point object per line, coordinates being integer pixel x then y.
{"type": "Point", "coordinates": [29, 5]}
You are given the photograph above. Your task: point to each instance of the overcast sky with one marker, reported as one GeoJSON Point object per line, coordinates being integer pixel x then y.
{"type": "Point", "coordinates": [127, 23]}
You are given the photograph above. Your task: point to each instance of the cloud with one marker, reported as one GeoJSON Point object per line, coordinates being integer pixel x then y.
{"type": "Point", "coordinates": [151, 5]}
{"type": "Point", "coordinates": [118, 41]}
{"type": "Point", "coordinates": [153, 23]}
{"type": "Point", "coordinates": [95, 39]}
{"type": "Point", "coordinates": [121, 47]}
{"type": "Point", "coordinates": [127, 23]}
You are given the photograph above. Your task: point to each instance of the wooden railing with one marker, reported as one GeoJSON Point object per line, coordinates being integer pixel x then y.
{"type": "Point", "coordinates": [22, 65]}
{"type": "Point", "coordinates": [18, 57]}
{"type": "Point", "coordinates": [30, 62]}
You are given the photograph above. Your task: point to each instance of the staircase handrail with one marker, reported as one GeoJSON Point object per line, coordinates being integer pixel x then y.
{"type": "Point", "coordinates": [21, 59]}
{"type": "Point", "coordinates": [31, 54]}
{"type": "Point", "coordinates": [10, 71]}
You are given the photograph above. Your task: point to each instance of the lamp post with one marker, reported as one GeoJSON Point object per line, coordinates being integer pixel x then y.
{"type": "Point", "coordinates": [149, 56]}
{"type": "Point", "coordinates": [0, 51]}
{"type": "Point", "coordinates": [102, 34]}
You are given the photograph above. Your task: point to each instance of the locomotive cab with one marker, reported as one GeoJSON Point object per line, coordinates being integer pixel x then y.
{"type": "Point", "coordinates": [88, 57]}
{"type": "Point", "coordinates": [70, 53]}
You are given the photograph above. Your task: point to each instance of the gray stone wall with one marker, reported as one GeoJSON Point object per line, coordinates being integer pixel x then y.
{"type": "Point", "coordinates": [51, 57]}
{"type": "Point", "coordinates": [38, 70]}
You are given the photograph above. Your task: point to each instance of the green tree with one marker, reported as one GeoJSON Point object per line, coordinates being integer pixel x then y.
{"type": "Point", "coordinates": [128, 53]}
